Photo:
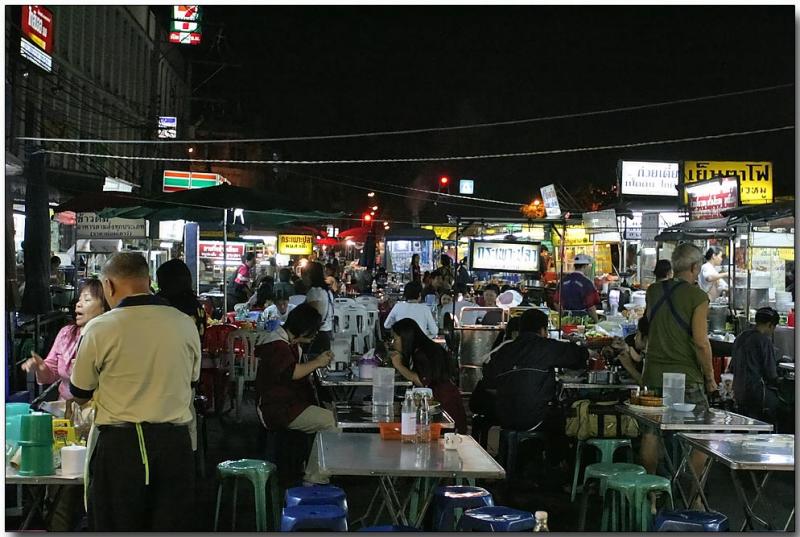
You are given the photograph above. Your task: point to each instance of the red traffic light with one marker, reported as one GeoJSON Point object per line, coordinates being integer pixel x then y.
{"type": "Point", "coordinates": [443, 180]}
{"type": "Point", "coordinates": [367, 217]}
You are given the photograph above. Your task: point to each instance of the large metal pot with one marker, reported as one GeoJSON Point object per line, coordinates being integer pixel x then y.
{"type": "Point", "coordinates": [473, 343]}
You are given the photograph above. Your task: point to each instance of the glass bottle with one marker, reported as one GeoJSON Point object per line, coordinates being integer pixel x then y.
{"type": "Point", "coordinates": [541, 521]}
{"type": "Point", "coordinates": [424, 421]}
{"type": "Point", "coordinates": [408, 419]}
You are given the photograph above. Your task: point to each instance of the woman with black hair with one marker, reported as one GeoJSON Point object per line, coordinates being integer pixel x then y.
{"type": "Point", "coordinates": [416, 275]}
{"type": "Point", "coordinates": [175, 285]}
{"type": "Point", "coordinates": [239, 287]}
{"type": "Point", "coordinates": [320, 297]}
{"type": "Point", "coordinates": [711, 280]}
{"type": "Point", "coordinates": [426, 363]}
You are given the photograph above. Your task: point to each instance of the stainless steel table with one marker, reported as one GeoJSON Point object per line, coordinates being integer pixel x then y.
{"type": "Point", "coordinates": [741, 453]}
{"type": "Point", "coordinates": [364, 416]}
{"type": "Point", "coordinates": [38, 493]}
{"type": "Point", "coordinates": [587, 386]}
{"type": "Point", "coordinates": [343, 386]}
{"type": "Point", "coordinates": [365, 454]}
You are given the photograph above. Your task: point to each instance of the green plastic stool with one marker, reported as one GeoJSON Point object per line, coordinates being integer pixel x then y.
{"type": "Point", "coordinates": [601, 472]}
{"type": "Point", "coordinates": [621, 496]}
{"type": "Point", "coordinates": [607, 447]}
{"type": "Point", "coordinates": [259, 473]}
{"type": "Point", "coordinates": [645, 484]}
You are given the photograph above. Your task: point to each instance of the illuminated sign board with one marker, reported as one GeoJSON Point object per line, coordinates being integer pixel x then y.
{"type": "Point", "coordinates": [36, 44]}
{"type": "Point", "coordinates": [466, 186]}
{"type": "Point", "coordinates": [504, 256]}
{"type": "Point", "coordinates": [550, 199]}
{"type": "Point", "coordinates": [91, 226]}
{"type": "Point", "coordinates": [295, 244]}
{"type": "Point", "coordinates": [214, 249]}
{"type": "Point", "coordinates": [642, 178]}
{"type": "Point", "coordinates": [755, 177]}
{"type": "Point", "coordinates": [167, 127]}
{"type": "Point", "coordinates": [708, 199]}
{"type": "Point", "coordinates": [175, 180]}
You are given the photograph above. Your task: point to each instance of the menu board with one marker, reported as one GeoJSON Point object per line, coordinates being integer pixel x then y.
{"type": "Point", "coordinates": [504, 256]}
{"type": "Point", "coordinates": [295, 244]}
{"type": "Point", "coordinates": [708, 199]}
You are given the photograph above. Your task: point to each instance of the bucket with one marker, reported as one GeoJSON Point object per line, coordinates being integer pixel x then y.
{"type": "Point", "coordinates": [36, 429]}
{"type": "Point", "coordinates": [674, 386]}
{"type": "Point", "coordinates": [36, 459]}
{"type": "Point", "coordinates": [17, 409]}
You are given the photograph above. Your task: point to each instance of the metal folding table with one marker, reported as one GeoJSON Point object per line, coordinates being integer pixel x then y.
{"type": "Point", "coordinates": [741, 453]}
{"type": "Point", "coordinates": [38, 493]}
{"type": "Point", "coordinates": [343, 386]}
{"type": "Point", "coordinates": [366, 454]}
{"type": "Point", "coordinates": [364, 416]}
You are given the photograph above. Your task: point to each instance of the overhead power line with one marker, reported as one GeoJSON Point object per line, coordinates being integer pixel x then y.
{"type": "Point", "coordinates": [432, 129]}
{"type": "Point", "coordinates": [441, 158]}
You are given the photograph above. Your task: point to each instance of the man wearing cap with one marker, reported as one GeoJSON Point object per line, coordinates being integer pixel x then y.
{"type": "Point", "coordinates": [577, 293]}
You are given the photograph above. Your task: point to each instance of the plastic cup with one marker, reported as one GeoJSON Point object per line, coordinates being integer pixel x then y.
{"type": "Point", "coordinates": [674, 386]}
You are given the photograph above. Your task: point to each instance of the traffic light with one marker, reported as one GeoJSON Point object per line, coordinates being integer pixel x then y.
{"type": "Point", "coordinates": [367, 218]}
{"type": "Point", "coordinates": [444, 184]}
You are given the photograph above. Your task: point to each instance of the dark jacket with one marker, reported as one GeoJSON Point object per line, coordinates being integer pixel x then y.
{"type": "Point", "coordinates": [523, 373]}
{"type": "Point", "coordinates": [755, 375]}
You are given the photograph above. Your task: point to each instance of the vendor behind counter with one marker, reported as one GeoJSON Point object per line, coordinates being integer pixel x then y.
{"type": "Point", "coordinates": [576, 292]}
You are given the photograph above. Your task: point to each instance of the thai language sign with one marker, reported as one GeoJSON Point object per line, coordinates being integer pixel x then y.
{"type": "Point", "coordinates": [36, 44]}
{"type": "Point", "coordinates": [295, 244]}
{"type": "Point", "coordinates": [214, 249]}
{"type": "Point", "coordinates": [91, 226]}
{"type": "Point", "coordinates": [755, 178]}
{"type": "Point", "coordinates": [504, 256]}
{"type": "Point", "coordinates": [642, 178]}
{"type": "Point", "coordinates": [708, 199]}
{"type": "Point", "coordinates": [550, 199]}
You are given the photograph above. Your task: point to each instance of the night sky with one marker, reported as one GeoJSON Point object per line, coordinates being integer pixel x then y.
{"type": "Point", "coordinates": [343, 69]}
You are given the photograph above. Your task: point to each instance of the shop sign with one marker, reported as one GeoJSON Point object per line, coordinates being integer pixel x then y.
{"type": "Point", "coordinates": [596, 221]}
{"type": "Point", "coordinates": [186, 13]}
{"type": "Point", "coordinates": [185, 38]}
{"type": "Point", "coordinates": [550, 200]}
{"type": "Point", "coordinates": [214, 249]}
{"type": "Point", "coordinates": [505, 256]}
{"type": "Point", "coordinates": [708, 199]}
{"type": "Point", "coordinates": [442, 232]}
{"type": "Point", "coordinates": [36, 44]}
{"type": "Point", "coordinates": [179, 180]}
{"type": "Point", "coordinates": [295, 244]}
{"type": "Point", "coordinates": [91, 226]}
{"type": "Point", "coordinates": [466, 186]}
{"type": "Point", "coordinates": [167, 127]}
{"type": "Point", "coordinates": [642, 178]}
{"type": "Point", "coordinates": [115, 184]}
{"type": "Point", "coordinates": [632, 229]}
{"type": "Point", "coordinates": [755, 178]}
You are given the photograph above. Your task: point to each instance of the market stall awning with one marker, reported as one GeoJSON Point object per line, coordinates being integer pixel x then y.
{"type": "Point", "coordinates": [759, 213]}
{"type": "Point", "coordinates": [410, 234]}
{"type": "Point", "coordinates": [697, 229]}
{"type": "Point", "coordinates": [356, 234]}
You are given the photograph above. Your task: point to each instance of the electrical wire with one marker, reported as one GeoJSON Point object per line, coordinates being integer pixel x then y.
{"type": "Point", "coordinates": [451, 128]}
{"type": "Point", "coordinates": [435, 159]}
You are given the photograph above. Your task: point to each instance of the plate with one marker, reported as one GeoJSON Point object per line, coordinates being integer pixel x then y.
{"type": "Point", "coordinates": [640, 408]}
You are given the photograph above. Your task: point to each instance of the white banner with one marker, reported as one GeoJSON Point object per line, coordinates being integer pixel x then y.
{"type": "Point", "coordinates": [649, 178]}
{"type": "Point", "coordinates": [504, 256]}
{"type": "Point", "coordinates": [550, 199]}
{"type": "Point", "coordinates": [91, 226]}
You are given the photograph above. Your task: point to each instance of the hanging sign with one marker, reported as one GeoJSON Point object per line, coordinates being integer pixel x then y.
{"type": "Point", "coordinates": [708, 199]}
{"type": "Point", "coordinates": [504, 256]}
{"type": "Point", "coordinates": [36, 44]}
{"type": "Point", "coordinates": [755, 178]}
{"type": "Point", "coordinates": [466, 186]}
{"type": "Point", "coordinates": [550, 199]}
{"type": "Point", "coordinates": [185, 38]}
{"type": "Point", "coordinates": [295, 244]}
{"type": "Point", "coordinates": [167, 127]}
{"type": "Point", "coordinates": [175, 180]}
{"type": "Point", "coordinates": [643, 178]}
{"type": "Point", "coordinates": [186, 13]}
{"type": "Point", "coordinates": [214, 249]}
{"type": "Point", "coordinates": [598, 221]}
{"type": "Point", "coordinates": [91, 226]}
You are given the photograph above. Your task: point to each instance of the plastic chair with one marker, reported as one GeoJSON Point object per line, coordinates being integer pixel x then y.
{"type": "Point", "coordinates": [646, 484]}
{"type": "Point", "coordinates": [620, 500]}
{"type": "Point", "coordinates": [510, 441]}
{"type": "Point", "coordinates": [600, 472]}
{"type": "Point", "coordinates": [344, 301]}
{"type": "Point", "coordinates": [607, 448]}
{"type": "Point", "coordinates": [686, 520]}
{"type": "Point", "coordinates": [496, 518]}
{"type": "Point", "coordinates": [243, 365]}
{"type": "Point", "coordinates": [316, 495]}
{"type": "Point", "coordinates": [314, 517]}
{"type": "Point", "coordinates": [259, 473]}
{"type": "Point", "coordinates": [447, 499]}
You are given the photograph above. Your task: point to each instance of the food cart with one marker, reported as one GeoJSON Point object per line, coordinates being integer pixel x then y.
{"type": "Point", "coordinates": [401, 244]}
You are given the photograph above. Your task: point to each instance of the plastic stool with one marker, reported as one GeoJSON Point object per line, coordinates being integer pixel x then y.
{"type": "Point", "coordinates": [510, 441]}
{"type": "Point", "coordinates": [601, 472]}
{"type": "Point", "coordinates": [389, 528]}
{"type": "Point", "coordinates": [447, 499]}
{"type": "Point", "coordinates": [316, 495]}
{"type": "Point", "coordinates": [496, 518]}
{"type": "Point", "coordinates": [607, 448]}
{"type": "Point", "coordinates": [288, 450]}
{"type": "Point", "coordinates": [646, 484]}
{"type": "Point", "coordinates": [314, 517]}
{"type": "Point", "coordinates": [259, 473]}
{"type": "Point", "coordinates": [686, 520]}
{"type": "Point", "coordinates": [621, 491]}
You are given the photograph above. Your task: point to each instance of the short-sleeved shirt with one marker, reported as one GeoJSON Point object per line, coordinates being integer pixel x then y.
{"type": "Point", "coordinates": [138, 362]}
{"type": "Point", "coordinates": [578, 292]}
{"type": "Point", "coordinates": [670, 347]}
{"type": "Point", "coordinates": [324, 296]}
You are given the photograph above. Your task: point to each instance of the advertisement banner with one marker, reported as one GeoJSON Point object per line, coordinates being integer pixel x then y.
{"type": "Point", "coordinates": [598, 221]}
{"type": "Point", "coordinates": [91, 226]}
{"type": "Point", "coordinates": [295, 244]}
{"type": "Point", "coordinates": [550, 200]}
{"type": "Point", "coordinates": [213, 250]}
{"type": "Point", "coordinates": [175, 180]}
{"type": "Point", "coordinates": [708, 199]}
{"type": "Point", "coordinates": [37, 26]}
{"type": "Point", "coordinates": [642, 178]}
{"type": "Point", "coordinates": [755, 178]}
{"type": "Point", "coordinates": [504, 256]}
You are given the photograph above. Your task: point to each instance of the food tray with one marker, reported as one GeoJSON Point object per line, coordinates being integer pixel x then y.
{"type": "Point", "coordinates": [641, 408]}
{"type": "Point", "coordinates": [391, 431]}
{"type": "Point", "coordinates": [598, 342]}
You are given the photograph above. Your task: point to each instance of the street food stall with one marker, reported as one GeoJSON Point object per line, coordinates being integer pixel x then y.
{"type": "Point", "coordinates": [401, 244]}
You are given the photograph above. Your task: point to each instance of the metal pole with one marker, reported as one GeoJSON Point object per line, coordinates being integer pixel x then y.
{"type": "Point", "coordinates": [224, 263]}
{"type": "Point", "coordinates": [455, 295]}
{"type": "Point", "coordinates": [748, 253]}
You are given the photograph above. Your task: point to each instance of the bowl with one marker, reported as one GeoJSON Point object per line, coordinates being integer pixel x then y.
{"type": "Point", "coordinates": [683, 407]}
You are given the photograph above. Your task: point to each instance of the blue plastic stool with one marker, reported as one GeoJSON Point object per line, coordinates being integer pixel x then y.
{"type": "Point", "coordinates": [685, 520]}
{"type": "Point", "coordinates": [447, 499]}
{"type": "Point", "coordinates": [510, 441]}
{"type": "Point", "coordinates": [316, 495]}
{"type": "Point", "coordinates": [314, 517]}
{"type": "Point", "coordinates": [382, 529]}
{"type": "Point", "coordinates": [496, 518]}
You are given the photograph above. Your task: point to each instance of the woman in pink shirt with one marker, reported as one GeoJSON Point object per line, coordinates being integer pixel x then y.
{"type": "Point", "coordinates": [58, 364]}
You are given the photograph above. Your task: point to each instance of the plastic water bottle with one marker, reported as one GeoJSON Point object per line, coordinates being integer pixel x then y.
{"type": "Point", "coordinates": [541, 521]}
{"type": "Point", "coordinates": [408, 419]}
{"type": "Point", "coordinates": [424, 421]}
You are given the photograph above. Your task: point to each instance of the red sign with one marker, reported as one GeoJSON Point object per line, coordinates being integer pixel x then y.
{"type": "Point", "coordinates": [708, 199]}
{"type": "Point", "coordinates": [185, 38]}
{"type": "Point", "coordinates": [213, 250]}
{"type": "Point", "coordinates": [37, 26]}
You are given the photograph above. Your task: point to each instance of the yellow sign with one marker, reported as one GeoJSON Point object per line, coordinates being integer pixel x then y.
{"type": "Point", "coordinates": [755, 178]}
{"type": "Point", "coordinates": [442, 232]}
{"type": "Point", "coordinates": [295, 244]}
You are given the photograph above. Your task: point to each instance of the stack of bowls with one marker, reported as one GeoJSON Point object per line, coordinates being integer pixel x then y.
{"type": "Point", "coordinates": [783, 301]}
{"type": "Point", "coordinates": [36, 442]}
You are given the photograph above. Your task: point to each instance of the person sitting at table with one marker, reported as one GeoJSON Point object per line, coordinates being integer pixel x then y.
{"type": "Point", "coordinates": [283, 383]}
{"type": "Point", "coordinates": [755, 373]}
{"type": "Point", "coordinates": [426, 363]}
{"type": "Point", "coordinates": [279, 309]}
{"type": "Point", "coordinates": [493, 317]}
{"type": "Point", "coordinates": [523, 375]}
{"type": "Point", "coordinates": [632, 350]}
{"type": "Point", "coordinates": [482, 400]}
{"type": "Point", "coordinates": [284, 285]}
{"type": "Point", "coordinates": [412, 309]}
